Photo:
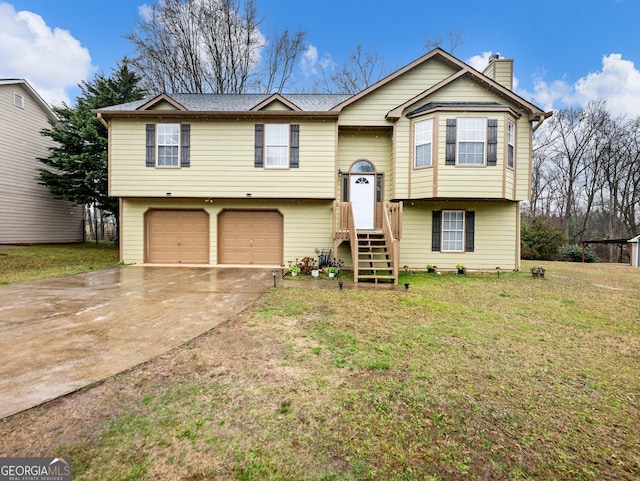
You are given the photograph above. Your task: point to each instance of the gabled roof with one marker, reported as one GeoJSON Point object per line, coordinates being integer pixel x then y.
{"type": "Point", "coordinates": [160, 99]}
{"type": "Point", "coordinates": [32, 92]}
{"type": "Point", "coordinates": [212, 103]}
{"type": "Point", "coordinates": [461, 70]}
{"type": "Point", "coordinates": [329, 105]}
{"type": "Point", "coordinates": [275, 99]}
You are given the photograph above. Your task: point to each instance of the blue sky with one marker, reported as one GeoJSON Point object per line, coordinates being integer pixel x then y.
{"type": "Point", "coordinates": [566, 52]}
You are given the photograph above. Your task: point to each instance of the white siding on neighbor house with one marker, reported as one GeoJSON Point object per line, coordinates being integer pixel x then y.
{"type": "Point", "coordinates": [222, 163]}
{"type": "Point", "coordinates": [496, 236]}
{"type": "Point", "coordinates": [307, 223]}
{"type": "Point", "coordinates": [28, 213]}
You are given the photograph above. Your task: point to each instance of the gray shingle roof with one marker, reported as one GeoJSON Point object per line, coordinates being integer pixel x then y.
{"type": "Point", "coordinates": [242, 102]}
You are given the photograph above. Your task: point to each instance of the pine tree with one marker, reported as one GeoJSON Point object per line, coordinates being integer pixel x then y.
{"type": "Point", "coordinates": [77, 164]}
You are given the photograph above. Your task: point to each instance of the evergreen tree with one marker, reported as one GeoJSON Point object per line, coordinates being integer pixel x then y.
{"type": "Point", "coordinates": [77, 165]}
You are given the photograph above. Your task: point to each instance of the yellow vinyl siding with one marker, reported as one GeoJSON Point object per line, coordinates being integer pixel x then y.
{"type": "Point", "coordinates": [371, 145]}
{"type": "Point", "coordinates": [372, 108]}
{"type": "Point", "coordinates": [522, 165]}
{"type": "Point", "coordinates": [307, 224]}
{"type": "Point", "coordinates": [496, 236]}
{"type": "Point", "coordinates": [222, 164]}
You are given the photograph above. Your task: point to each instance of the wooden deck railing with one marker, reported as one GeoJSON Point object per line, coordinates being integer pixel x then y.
{"type": "Point", "coordinates": [392, 229]}
{"type": "Point", "coordinates": [344, 229]}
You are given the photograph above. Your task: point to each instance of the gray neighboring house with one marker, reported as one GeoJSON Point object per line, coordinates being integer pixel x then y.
{"type": "Point", "coordinates": [29, 214]}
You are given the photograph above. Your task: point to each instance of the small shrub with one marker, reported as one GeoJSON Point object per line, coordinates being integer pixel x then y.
{"type": "Point", "coordinates": [540, 240]}
{"type": "Point", "coordinates": [573, 253]}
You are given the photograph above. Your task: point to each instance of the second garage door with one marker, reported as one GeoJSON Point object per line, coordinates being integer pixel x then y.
{"type": "Point", "coordinates": [250, 237]}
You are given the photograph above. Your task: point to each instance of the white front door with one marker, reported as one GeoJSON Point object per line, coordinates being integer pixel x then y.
{"type": "Point", "coordinates": [362, 192]}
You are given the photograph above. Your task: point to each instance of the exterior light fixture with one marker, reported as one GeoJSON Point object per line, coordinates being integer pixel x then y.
{"type": "Point", "coordinates": [339, 173]}
{"type": "Point", "coordinates": [406, 286]}
{"type": "Point", "coordinates": [498, 269]}
{"type": "Point", "coordinates": [282, 269]}
{"type": "Point", "coordinates": [340, 284]}
{"type": "Point", "coordinates": [273, 273]}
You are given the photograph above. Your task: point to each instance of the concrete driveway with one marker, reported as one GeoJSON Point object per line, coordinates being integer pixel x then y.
{"type": "Point", "coordinates": [58, 335]}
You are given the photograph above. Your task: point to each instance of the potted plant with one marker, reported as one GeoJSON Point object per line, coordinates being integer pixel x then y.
{"type": "Point", "coordinates": [461, 269]}
{"type": "Point", "coordinates": [431, 268]}
{"type": "Point", "coordinates": [294, 270]}
{"type": "Point", "coordinates": [333, 270]}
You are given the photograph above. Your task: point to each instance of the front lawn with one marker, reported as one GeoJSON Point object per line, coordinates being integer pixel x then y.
{"type": "Point", "coordinates": [34, 262]}
{"type": "Point", "coordinates": [459, 378]}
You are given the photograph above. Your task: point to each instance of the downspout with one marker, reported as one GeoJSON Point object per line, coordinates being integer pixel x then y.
{"type": "Point", "coordinates": [541, 119]}
{"type": "Point", "coordinates": [104, 122]}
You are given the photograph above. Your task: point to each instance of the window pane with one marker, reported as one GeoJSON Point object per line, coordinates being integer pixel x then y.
{"type": "Point", "coordinates": [277, 157]}
{"type": "Point", "coordinates": [423, 155]}
{"type": "Point", "coordinates": [168, 141]}
{"type": "Point", "coordinates": [277, 134]}
{"type": "Point", "coordinates": [471, 153]}
{"type": "Point", "coordinates": [511, 144]}
{"type": "Point", "coordinates": [167, 156]}
{"type": "Point", "coordinates": [277, 145]}
{"type": "Point", "coordinates": [423, 132]}
{"type": "Point", "coordinates": [471, 139]}
{"type": "Point", "coordinates": [453, 230]}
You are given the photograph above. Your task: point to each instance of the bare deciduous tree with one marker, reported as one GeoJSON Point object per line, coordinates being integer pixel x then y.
{"type": "Point", "coordinates": [454, 38]}
{"type": "Point", "coordinates": [361, 70]}
{"type": "Point", "coordinates": [586, 173]}
{"type": "Point", "coordinates": [199, 46]}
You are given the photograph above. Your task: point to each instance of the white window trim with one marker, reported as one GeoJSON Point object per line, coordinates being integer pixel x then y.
{"type": "Point", "coordinates": [18, 100]}
{"type": "Point", "coordinates": [461, 120]}
{"type": "Point", "coordinates": [442, 236]}
{"type": "Point", "coordinates": [416, 144]}
{"type": "Point", "coordinates": [158, 145]}
{"type": "Point", "coordinates": [287, 146]}
{"type": "Point", "coordinates": [511, 142]}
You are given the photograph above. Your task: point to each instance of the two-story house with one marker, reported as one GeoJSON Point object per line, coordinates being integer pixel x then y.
{"type": "Point", "coordinates": [427, 166]}
{"type": "Point", "coordinates": [29, 214]}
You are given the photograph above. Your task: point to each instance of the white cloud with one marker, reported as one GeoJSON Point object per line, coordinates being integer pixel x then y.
{"type": "Point", "coordinates": [618, 83]}
{"type": "Point", "coordinates": [312, 64]}
{"type": "Point", "coordinates": [51, 60]}
{"type": "Point", "coordinates": [480, 62]}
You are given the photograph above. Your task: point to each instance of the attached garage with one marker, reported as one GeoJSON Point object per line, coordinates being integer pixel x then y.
{"type": "Point", "coordinates": [250, 237]}
{"type": "Point", "coordinates": [177, 236]}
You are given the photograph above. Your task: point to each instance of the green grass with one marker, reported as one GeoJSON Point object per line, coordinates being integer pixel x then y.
{"type": "Point", "coordinates": [53, 260]}
{"type": "Point", "coordinates": [459, 378]}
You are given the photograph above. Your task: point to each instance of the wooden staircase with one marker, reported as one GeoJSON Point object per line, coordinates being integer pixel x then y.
{"type": "Point", "coordinates": [374, 258]}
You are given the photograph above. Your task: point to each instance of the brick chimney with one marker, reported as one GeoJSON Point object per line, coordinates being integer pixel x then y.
{"type": "Point", "coordinates": [500, 70]}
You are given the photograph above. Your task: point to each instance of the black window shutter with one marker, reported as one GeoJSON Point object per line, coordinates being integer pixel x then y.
{"type": "Point", "coordinates": [151, 145]}
{"type": "Point", "coordinates": [492, 142]}
{"type": "Point", "coordinates": [469, 230]}
{"type": "Point", "coordinates": [436, 229]}
{"type": "Point", "coordinates": [258, 160]}
{"type": "Point", "coordinates": [450, 158]}
{"type": "Point", "coordinates": [294, 146]}
{"type": "Point", "coordinates": [185, 145]}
